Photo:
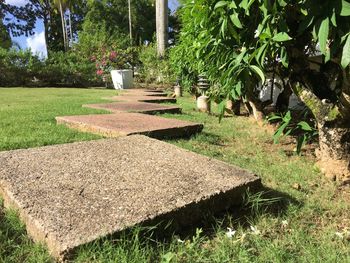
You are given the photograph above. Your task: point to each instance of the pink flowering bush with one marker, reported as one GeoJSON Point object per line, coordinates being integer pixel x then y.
{"type": "Point", "coordinates": [110, 58]}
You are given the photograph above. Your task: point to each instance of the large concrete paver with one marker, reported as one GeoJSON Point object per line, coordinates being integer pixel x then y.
{"type": "Point", "coordinates": [137, 90]}
{"type": "Point", "coordinates": [142, 93]}
{"type": "Point", "coordinates": [151, 99]}
{"type": "Point", "coordinates": [124, 124]}
{"type": "Point", "coordinates": [72, 194]}
{"type": "Point", "coordinates": [140, 107]}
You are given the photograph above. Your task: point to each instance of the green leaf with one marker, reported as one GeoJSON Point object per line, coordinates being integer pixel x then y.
{"type": "Point", "coordinates": [282, 3]}
{"type": "Point", "coordinates": [238, 88]}
{"type": "Point", "coordinates": [274, 117]}
{"type": "Point", "coordinates": [345, 8]}
{"type": "Point", "coordinates": [278, 134]}
{"type": "Point", "coordinates": [239, 58]}
{"type": "Point", "coordinates": [223, 28]}
{"type": "Point", "coordinates": [259, 72]}
{"type": "Point", "coordinates": [281, 37]}
{"type": "Point", "coordinates": [168, 257]}
{"type": "Point", "coordinates": [345, 60]}
{"type": "Point", "coordinates": [288, 117]}
{"type": "Point", "coordinates": [323, 33]}
{"type": "Point", "coordinates": [300, 143]}
{"type": "Point", "coordinates": [304, 11]}
{"type": "Point", "coordinates": [235, 20]}
{"type": "Point", "coordinates": [244, 4]}
{"type": "Point", "coordinates": [232, 5]}
{"type": "Point", "coordinates": [259, 56]}
{"type": "Point", "coordinates": [220, 4]}
{"type": "Point", "coordinates": [334, 18]}
{"type": "Point", "coordinates": [284, 57]}
{"type": "Point", "coordinates": [304, 126]}
{"type": "Point", "coordinates": [221, 108]}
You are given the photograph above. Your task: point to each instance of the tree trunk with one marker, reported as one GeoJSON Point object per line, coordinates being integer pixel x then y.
{"type": "Point", "coordinates": [334, 151]}
{"type": "Point", "coordinates": [63, 27]}
{"type": "Point", "coordinates": [236, 107]}
{"type": "Point", "coordinates": [282, 103]}
{"type": "Point", "coordinates": [46, 28]}
{"type": "Point", "coordinates": [70, 42]}
{"type": "Point", "coordinates": [130, 22]}
{"type": "Point", "coordinates": [256, 111]}
{"type": "Point", "coordinates": [233, 107]}
{"type": "Point", "coordinates": [334, 136]}
{"type": "Point", "coordinates": [46, 16]}
{"type": "Point", "coordinates": [162, 26]}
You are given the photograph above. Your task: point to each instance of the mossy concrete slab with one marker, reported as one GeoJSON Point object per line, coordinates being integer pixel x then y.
{"type": "Point", "coordinates": [140, 107]}
{"type": "Point", "coordinates": [69, 195]}
{"type": "Point", "coordinates": [124, 124]}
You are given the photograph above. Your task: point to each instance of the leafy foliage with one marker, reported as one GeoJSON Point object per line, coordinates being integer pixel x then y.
{"type": "Point", "coordinates": [151, 68]}
{"type": "Point", "coordinates": [21, 68]}
{"type": "Point", "coordinates": [17, 67]}
{"type": "Point", "coordinates": [237, 43]}
{"type": "Point", "coordinates": [18, 20]}
{"type": "Point", "coordinates": [303, 131]}
{"type": "Point", "coordinates": [5, 39]}
{"type": "Point", "coordinates": [107, 22]}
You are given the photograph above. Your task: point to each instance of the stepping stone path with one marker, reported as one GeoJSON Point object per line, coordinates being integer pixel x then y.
{"type": "Point", "coordinates": [129, 117]}
{"type": "Point", "coordinates": [140, 107]}
{"type": "Point", "coordinates": [72, 194]}
{"type": "Point", "coordinates": [144, 98]}
{"type": "Point", "coordinates": [69, 195]}
{"type": "Point", "coordinates": [124, 124]}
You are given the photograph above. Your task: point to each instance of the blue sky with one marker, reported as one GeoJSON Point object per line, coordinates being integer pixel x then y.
{"type": "Point", "coordinates": [37, 42]}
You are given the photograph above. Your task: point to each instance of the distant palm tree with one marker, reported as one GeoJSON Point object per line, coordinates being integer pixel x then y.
{"type": "Point", "coordinates": [130, 23]}
{"type": "Point", "coordinates": [63, 7]}
{"type": "Point", "coordinates": [162, 26]}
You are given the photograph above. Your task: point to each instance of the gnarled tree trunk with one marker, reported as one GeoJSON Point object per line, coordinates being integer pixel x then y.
{"type": "Point", "coordinates": [334, 136]}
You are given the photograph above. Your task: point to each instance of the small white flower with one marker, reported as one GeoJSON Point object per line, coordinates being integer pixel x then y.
{"type": "Point", "coordinates": [284, 223]}
{"type": "Point", "coordinates": [255, 230]}
{"type": "Point", "coordinates": [180, 241]}
{"type": "Point", "coordinates": [230, 233]}
{"type": "Point", "coordinates": [256, 33]}
{"type": "Point", "coordinates": [340, 235]}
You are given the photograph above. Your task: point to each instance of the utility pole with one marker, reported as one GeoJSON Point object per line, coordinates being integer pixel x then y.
{"type": "Point", "coordinates": [130, 23]}
{"type": "Point", "coordinates": [162, 26]}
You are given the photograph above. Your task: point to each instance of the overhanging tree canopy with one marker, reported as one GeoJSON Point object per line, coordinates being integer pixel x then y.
{"type": "Point", "coordinates": [238, 42]}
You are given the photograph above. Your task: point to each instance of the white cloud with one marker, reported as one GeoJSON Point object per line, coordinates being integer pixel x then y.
{"type": "Point", "coordinates": [37, 44]}
{"type": "Point", "coordinates": [16, 2]}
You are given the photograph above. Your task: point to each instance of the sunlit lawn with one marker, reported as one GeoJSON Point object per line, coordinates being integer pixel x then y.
{"type": "Point", "coordinates": [300, 226]}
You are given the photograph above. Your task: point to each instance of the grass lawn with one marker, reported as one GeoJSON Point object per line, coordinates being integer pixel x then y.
{"type": "Point", "coordinates": [296, 220]}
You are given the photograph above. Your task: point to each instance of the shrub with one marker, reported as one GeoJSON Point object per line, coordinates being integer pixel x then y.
{"type": "Point", "coordinates": [153, 69]}
{"type": "Point", "coordinates": [18, 68]}
{"type": "Point", "coordinates": [21, 68]}
{"type": "Point", "coordinates": [68, 69]}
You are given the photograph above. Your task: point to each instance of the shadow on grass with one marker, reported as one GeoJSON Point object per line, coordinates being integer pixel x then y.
{"type": "Point", "coordinates": [255, 204]}
{"type": "Point", "coordinates": [155, 232]}
{"type": "Point", "coordinates": [203, 136]}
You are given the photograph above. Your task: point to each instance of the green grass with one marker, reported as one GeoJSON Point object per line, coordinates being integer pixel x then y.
{"type": "Point", "coordinates": [27, 116]}
{"type": "Point", "coordinates": [314, 213]}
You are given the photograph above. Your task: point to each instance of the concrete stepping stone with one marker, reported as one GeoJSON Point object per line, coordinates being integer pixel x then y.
{"type": "Point", "coordinates": [124, 124]}
{"type": "Point", "coordinates": [140, 107]}
{"type": "Point", "coordinates": [142, 93]}
{"type": "Point", "coordinates": [151, 99]}
{"type": "Point", "coordinates": [143, 90]}
{"type": "Point", "coordinates": [69, 195]}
